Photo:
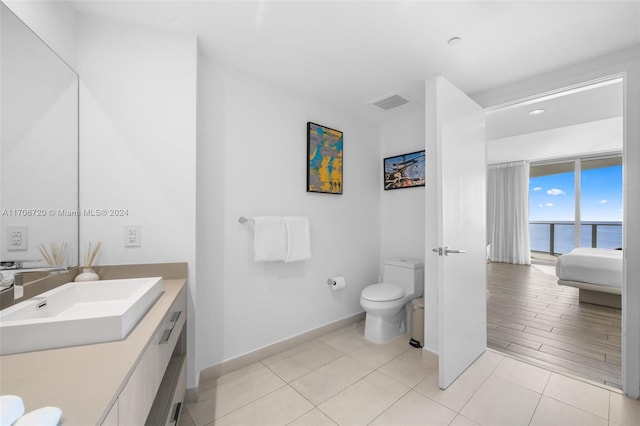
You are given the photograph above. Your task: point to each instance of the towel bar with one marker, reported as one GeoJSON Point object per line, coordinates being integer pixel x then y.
{"type": "Point", "coordinates": [243, 219]}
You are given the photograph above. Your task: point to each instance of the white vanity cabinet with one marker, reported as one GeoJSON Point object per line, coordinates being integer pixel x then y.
{"type": "Point", "coordinates": [112, 417]}
{"type": "Point", "coordinates": [155, 389]}
{"type": "Point", "coordinates": [130, 382]}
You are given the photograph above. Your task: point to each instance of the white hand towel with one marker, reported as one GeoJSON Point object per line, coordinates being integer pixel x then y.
{"type": "Point", "coordinates": [45, 416]}
{"type": "Point", "coordinates": [298, 238]}
{"type": "Point", "coordinates": [269, 239]}
{"type": "Point", "coordinates": [11, 409]}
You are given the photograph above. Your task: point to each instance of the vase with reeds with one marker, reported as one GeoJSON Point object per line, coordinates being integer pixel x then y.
{"type": "Point", "coordinates": [55, 254]}
{"type": "Point", "coordinates": [88, 274]}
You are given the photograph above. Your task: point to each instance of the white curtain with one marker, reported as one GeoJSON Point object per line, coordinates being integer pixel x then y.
{"type": "Point", "coordinates": [508, 213]}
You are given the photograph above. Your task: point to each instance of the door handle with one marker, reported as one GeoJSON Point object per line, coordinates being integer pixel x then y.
{"type": "Point", "coordinates": [447, 250]}
{"type": "Point", "coordinates": [444, 251]}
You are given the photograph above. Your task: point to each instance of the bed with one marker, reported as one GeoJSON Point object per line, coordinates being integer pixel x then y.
{"type": "Point", "coordinates": [596, 272]}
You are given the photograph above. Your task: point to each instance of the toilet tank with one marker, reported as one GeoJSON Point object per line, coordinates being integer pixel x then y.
{"type": "Point", "coordinates": [408, 273]}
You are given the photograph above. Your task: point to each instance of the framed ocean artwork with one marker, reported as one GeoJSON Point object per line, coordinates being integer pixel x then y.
{"type": "Point", "coordinates": [404, 171]}
{"type": "Point", "coordinates": [324, 159]}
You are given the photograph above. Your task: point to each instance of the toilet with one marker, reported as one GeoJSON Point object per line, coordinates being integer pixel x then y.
{"type": "Point", "coordinates": [385, 303]}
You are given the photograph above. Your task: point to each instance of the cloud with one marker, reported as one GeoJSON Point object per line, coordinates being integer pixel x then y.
{"type": "Point", "coordinates": [549, 204]}
{"type": "Point", "coordinates": [540, 205]}
{"type": "Point", "coordinates": [537, 188]}
{"type": "Point", "coordinates": [602, 202]}
{"type": "Point", "coordinates": [555, 191]}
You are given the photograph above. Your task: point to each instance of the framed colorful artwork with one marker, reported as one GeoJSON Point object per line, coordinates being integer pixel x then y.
{"type": "Point", "coordinates": [404, 171]}
{"type": "Point", "coordinates": [324, 159]}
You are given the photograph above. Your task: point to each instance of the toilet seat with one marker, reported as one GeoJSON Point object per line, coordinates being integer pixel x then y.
{"type": "Point", "coordinates": [383, 292]}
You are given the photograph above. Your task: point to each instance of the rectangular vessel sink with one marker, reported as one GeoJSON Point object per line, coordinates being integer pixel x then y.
{"type": "Point", "coordinates": [77, 314]}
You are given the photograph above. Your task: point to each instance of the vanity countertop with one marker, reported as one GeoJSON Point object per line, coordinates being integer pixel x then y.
{"type": "Point", "coordinates": [83, 381]}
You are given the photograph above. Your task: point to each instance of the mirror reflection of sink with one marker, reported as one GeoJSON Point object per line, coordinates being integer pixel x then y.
{"type": "Point", "coordinates": [77, 314]}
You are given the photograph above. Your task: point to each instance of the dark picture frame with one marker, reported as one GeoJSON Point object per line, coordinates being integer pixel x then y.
{"type": "Point", "coordinates": [324, 159]}
{"type": "Point", "coordinates": [404, 171]}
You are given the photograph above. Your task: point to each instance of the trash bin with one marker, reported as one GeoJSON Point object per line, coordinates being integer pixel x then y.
{"type": "Point", "coordinates": [417, 323]}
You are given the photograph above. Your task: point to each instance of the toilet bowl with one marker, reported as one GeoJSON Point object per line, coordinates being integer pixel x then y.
{"type": "Point", "coordinates": [385, 303]}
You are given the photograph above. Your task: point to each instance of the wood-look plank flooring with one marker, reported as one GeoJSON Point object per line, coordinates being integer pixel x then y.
{"type": "Point", "coordinates": [530, 316]}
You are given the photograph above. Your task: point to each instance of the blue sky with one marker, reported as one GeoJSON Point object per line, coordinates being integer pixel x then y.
{"type": "Point", "coordinates": [553, 197]}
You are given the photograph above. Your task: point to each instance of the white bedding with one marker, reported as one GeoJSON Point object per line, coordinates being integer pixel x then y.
{"type": "Point", "coordinates": [591, 265]}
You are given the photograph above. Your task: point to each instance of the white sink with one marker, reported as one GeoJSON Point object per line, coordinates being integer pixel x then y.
{"type": "Point", "coordinates": [77, 314]}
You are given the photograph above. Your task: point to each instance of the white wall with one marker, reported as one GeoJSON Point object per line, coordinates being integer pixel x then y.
{"type": "Point", "coordinates": [596, 137]}
{"type": "Point", "coordinates": [251, 162]}
{"type": "Point", "coordinates": [53, 21]}
{"type": "Point", "coordinates": [138, 144]}
{"type": "Point", "coordinates": [402, 210]}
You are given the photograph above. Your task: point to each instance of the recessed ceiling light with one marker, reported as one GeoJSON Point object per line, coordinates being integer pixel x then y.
{"type": "Point", "coordinates": [536, 112]}
{"type": "Point", "coordinates": [454, 41]}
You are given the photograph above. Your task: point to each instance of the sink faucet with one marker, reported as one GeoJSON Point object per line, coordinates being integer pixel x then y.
{"type": "Point", "coordinates": [18, 276]}
{"type": "Point", "coordinates": [18, 269]}
{"type": "Point", "coordinates": [44, 269]}
{"type": "Point", "coordinates": [18, 265]}
{"type": "Point", "coordinates": [6, 265]}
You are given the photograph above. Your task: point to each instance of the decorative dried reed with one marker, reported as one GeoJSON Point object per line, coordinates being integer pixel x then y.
{"type": "Point", "coordinates": [56, 255]}
{"type": "Point", "coordinates": [91, 254]}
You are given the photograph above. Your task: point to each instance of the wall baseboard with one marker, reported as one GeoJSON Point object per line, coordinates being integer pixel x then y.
{"type": "Point", "coordinates": [210, 376]}
{"type": "Point", "coordinates": [191, 396]}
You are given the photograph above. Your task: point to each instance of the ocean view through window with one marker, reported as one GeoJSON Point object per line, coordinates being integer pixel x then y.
{"type": "Point", "coordinates": [553, 210]}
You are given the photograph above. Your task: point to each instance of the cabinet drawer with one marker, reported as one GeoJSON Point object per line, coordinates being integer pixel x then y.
{"type": "Point", "coordinates": [112, 417]}
{"type": "Point", "coordinates": [178, 397]}
{"type": "Point", "coordinates": [170, 331]}
{"type": "Point", "coordinates": [137, 397]}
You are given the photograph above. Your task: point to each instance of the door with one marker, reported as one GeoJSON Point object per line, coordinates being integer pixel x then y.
{"type": "Point", "coordinates": [456, 269]}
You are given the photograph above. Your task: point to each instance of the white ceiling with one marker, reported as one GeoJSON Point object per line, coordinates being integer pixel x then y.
{"type": "Point", "coordinates": [349, 53]}
{"type": "Point", "coordinates": [595, 102]}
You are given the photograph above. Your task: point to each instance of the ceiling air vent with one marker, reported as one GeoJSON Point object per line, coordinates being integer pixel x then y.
{"type": "Point", "coordinates": [390, 102]}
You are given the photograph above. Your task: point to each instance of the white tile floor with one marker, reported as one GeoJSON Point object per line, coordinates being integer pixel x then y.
{"type": "Point", "coordinates": [342, 379]}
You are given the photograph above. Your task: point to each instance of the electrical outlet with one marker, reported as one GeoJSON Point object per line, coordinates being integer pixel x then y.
{"type": "Point", "coordinates": [17, 238]}
{"type": "Point", "coordinates": [132, 235]}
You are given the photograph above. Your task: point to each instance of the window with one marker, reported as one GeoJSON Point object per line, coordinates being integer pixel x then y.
{"type": "Point", "coordinates": [601, 203]}
{"type": "Point", "coordinates": [552, 207]}
{"type": "Point", "coordinates": [576, 203]}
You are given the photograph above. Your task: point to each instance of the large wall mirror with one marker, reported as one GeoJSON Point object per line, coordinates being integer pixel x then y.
{"type": "Point", "coordinates": [38, 150]}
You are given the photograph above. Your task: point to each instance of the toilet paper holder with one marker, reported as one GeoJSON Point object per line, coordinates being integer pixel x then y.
{"type": "Point", "coordinates": [336, 283]}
